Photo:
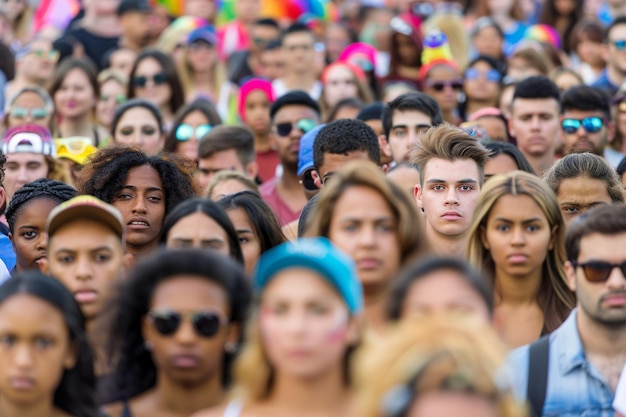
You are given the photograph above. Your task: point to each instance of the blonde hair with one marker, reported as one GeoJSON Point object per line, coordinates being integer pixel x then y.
{"type": "Point", "coordinates": [554, 297]}
{"type": "Point", "coordinates": [58, 171]}
{"type": "Point", "coordinates": [450, 143]}
{"type": "Point", "coordinates": [451, 24]}
{"type": "Point", "coordinates": [466, 356]}
{"type": "Point", "coordinates": [365, 174]}
{"type": "Point", "coordinates": [223, 176]}
{"type": "Point", "coordinates": [185, 72]}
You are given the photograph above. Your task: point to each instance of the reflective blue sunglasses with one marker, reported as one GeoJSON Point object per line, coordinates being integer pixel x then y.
{"type": "Point", "coordinates": [491, 75]}
{"type": "Point", "coordinates": [590, 124]}
{"type": "Point", "coordinates": [185, 131]}
{"type": "Point", "coordinates": [620, 45]}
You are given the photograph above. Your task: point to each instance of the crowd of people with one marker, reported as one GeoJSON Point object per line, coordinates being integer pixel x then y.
{"type": "Point", "coordinates": [395, 208]}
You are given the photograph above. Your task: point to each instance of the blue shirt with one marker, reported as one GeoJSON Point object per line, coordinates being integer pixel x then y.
{"type": "Point", "coordinates": [606, 84]}
{"type": "Point", "coordinates": [575, 387]}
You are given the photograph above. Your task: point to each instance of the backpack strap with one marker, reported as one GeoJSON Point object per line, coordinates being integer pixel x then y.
{"type": "Point", "coordinates": [538, 361]}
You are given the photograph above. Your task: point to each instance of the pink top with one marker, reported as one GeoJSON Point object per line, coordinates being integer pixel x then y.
{"type": "Point", "coordinates": [269, 192]}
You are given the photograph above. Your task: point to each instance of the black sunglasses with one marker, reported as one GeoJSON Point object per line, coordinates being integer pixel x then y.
{"type": "Point", "coordinates": [440, 85]}
{"type": "Point", "coordinates": [205, 323]}
{"type": "Point", "coordinates": [304, 125]}
{"type": "Point", "coordinates": [599, 271]}
{"type": "Point", "coordinates": [157, 79]}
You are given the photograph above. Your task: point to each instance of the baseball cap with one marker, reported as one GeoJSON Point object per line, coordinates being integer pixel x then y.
{"type": "Point", "coordinates": [305, 154]}
{"type": "Point", "coordinates": [75, 148]}
{"type": "Point", "coordinates": [317, 254]}
{"type": "Point", "coordinates": [127, 6]}
{"type": "Point", "coordinates": [28, 139]}
{"type": "Point", "coordinates": [205, 33]}
{"type": "Point", "coordinates": [85, 207]}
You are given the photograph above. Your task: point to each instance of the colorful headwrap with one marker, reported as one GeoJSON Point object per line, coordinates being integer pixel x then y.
{"type": "Point", "coordinates": [250, 86]}
{"type": "Point", "coordinates": [358, 72]}
{"type": "Point", "coordinates": [360, 48]}
{"type": "Point", "coordinates": [436, 52]}
{"type": "Point", "coordinates": [543, 33]}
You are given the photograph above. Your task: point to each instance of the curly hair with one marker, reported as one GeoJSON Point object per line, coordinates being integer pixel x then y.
{"type": "Point", "coordinates": [343, 136]}
{"type": "Point", "coordinates": [42, 188]}
{"type": "Point", "coordinates": [106, 171]}
{"type": "Point", "coordinates": [134, 369]}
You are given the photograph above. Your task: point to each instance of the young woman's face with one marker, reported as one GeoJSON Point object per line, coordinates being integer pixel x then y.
{"type": "Point", "coordinates": [481, 84]}
{"type": "Point", "coordinates": [28, 108]}
{"type": "Point", "coordinates": [29, 233]}
{"type": "Point", "coordinates": [141, 200]}
{"type": "Point", "coordinates": [146, 86]}
{"type": "Point", "coordinates": [518, 236]}
{"type": "Point", "coordinates": [590, 52]}
{"type": "Point", "coordinates": [258, 112]}
{"type": "Point", "coordinates": [183, 354]}
{"type": "Point", "coordinates": [198, 231]}
{"type": "Point", "coordinates": [34, 350]}
{"type": "Point", "coordinates": [201, 56]}
{"type": "Point", "coordinates": [442, 291]}
{"type": "Point", "coordinates": [488, 42]}
{"type": "Point", "coordinates": [407, 50]}
{"type": "Point", "coordinates": [138, 127]}
{"type": "Point", "coordinates": [248, 240]}
{"type": "Point", "coordinates": [340, 84]}
{"type": "Point", "coordinates": [112, 94]}
{"type": "Point", "coordinates": [565, 7]}
{"type": "Point", "coordinates": [500, 164]}
{"type": "Point", "coordinates": [189, 148]}
{"type": "Point", "coordinates": [364, 226]}
{"type": "Point", "coordinates": [304, 324]}
{"type": "Point", "coordinates": [76, 97]}
{"type": "Point", "coordinates": [22, 168]}
{"type": "Point", "coordinates": [443, 84]}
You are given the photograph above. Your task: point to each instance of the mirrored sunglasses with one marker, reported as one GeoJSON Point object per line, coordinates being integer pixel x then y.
{"type": "Point", "coordinates": [590, 124]}
{"type": "Point", "coordinates": [186, 131]}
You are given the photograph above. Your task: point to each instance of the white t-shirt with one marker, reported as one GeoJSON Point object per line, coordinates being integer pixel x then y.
{"type": "Point", "coordinates": [619, 403]}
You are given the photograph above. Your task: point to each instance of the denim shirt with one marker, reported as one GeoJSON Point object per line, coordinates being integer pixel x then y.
{"type": "Point", "coordinates": [575, 387]}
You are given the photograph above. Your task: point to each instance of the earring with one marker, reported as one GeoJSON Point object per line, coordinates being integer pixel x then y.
{"type": "Point", "coordinates": [148, 345]}
{"type": "Point", "coordinates": [422, 209]}
{"type": "Point", "coordinates": [230, 347]}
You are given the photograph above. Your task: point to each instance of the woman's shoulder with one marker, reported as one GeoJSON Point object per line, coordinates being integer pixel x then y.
{"type": "Point", "coordinates": [114, 409]}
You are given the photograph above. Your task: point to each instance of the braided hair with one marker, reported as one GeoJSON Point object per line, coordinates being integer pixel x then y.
{"type": "Point", "coordinates": [42, 188]}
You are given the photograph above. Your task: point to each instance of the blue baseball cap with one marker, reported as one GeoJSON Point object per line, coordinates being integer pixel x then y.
{"type": "Point", "coordinates": [305, 155]}
{"type": "Point", "coordinates": [317, 254]}
{"type": "Point", "coordinates": [205, 33]}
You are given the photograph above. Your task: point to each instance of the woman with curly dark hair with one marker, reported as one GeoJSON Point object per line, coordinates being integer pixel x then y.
{"type": "Point", "coordinates": [177, 323]}
{"type": "Point", "coordinates": [144, 188]}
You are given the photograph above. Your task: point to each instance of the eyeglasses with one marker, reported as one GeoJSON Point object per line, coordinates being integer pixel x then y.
{"type": "Point", "coordinates": [620, 44]}
{"type": "Point", "coordinates": [440, 85]}
{"type": "Point", "coordinates": [490, 75]}
{"type": "Point", "coordinates": [119, 99]}
{"type": "Point", "coordinates": [186, 131]}
{"type": "Point", "coordinates": [205, 323]}
{"type": "Point", "coordinates": [23, 112]}
{"type": "Point", "coordinates": [599, 271]}
{"type": "Point", "coordinates": [157, 79]}
{"type": "Point", "coordinates": [75, 144]}
{"type": "Point", "coordinates": [590, 124]}
{"type": "Point", "coordinates": [52, 54]}
{"type": "Point", "coordinates": [304, 125]}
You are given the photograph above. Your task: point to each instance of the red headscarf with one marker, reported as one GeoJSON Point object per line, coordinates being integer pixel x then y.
{"type": "Point", "coordinates": [250, 86]}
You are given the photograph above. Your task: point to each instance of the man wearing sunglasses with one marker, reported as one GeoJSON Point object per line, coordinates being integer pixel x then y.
{"type": "Point", "coordinates": [292, 115]}
{"type": "Point", "coordinates": [586, 123]}
{"type": "Point", "coordinates": [576, 368]}
{"type": "Point", "coordinates": [615, 73]}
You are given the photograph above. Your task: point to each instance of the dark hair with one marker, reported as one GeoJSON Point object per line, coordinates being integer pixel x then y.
{"type": "Point", "coordinates": [499, 148]}
{"type": "Point", "coordinates": [306, 213]}
{"type": "Point", "coordinates": [295, 97]}
{"type": "Point", "coordinates": [492, 62]}
{"type": "Point", "coordinates": [42, 188]}
{"type": "Point", "coordinates": [350, 102]}
{"type": "Point", "coordinates": [590, 28]}
{"type": "Point", "coordinates": [267, 21]}
{"type": "Point", "coordinates": [537, 87]}
{"type": "Point", "coordinates": [69, 64]}
{"type": "Point", "coordinates": [372, 111]}
{"type": "Point", "coordinates": [266, 226]}
{"type": "Point", "coordinates": [203, 106]}
{"type": "Point", "coordinates": [416, 101]}
{"type": "Point", "coordinates": [169, 67]}
{"type": "Point", "coordinates": [131, 104]}
{"type": "Point", "coordinates": [297, 27]}
{"type": "Point", "coordinates": [106, 172]}
{"type": "Point", "coordinates": [621, 20]}
{"type": "Point", "coordinates": [584, 97]}
{"type": "Point", "coordinates": [549, 16]}
{"type": "Point", "coordinates": [343, 136]}
{"type": "Point", "coordinates": [621, 167]}
{"type": "Point", "coordinates": [419, 269]}
{"type": "Point", "coordinates": [486, 22]}
{"type": "Point", "coordinates": [224, 138]}
{"type": "Point", "coordinates": [210, 209]}
{"type": "Point", "coordinates": [76, 392]}
{"type": "Point", "coordinates": [135, 371]}
{"type": "Point", "coordinates": [603, 219]}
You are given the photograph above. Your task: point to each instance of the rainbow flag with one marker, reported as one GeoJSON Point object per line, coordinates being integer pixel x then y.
{"type": "Point", "coordinates": [284, 9]}
{"type": "Point", "coordinates": [56, 13]}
